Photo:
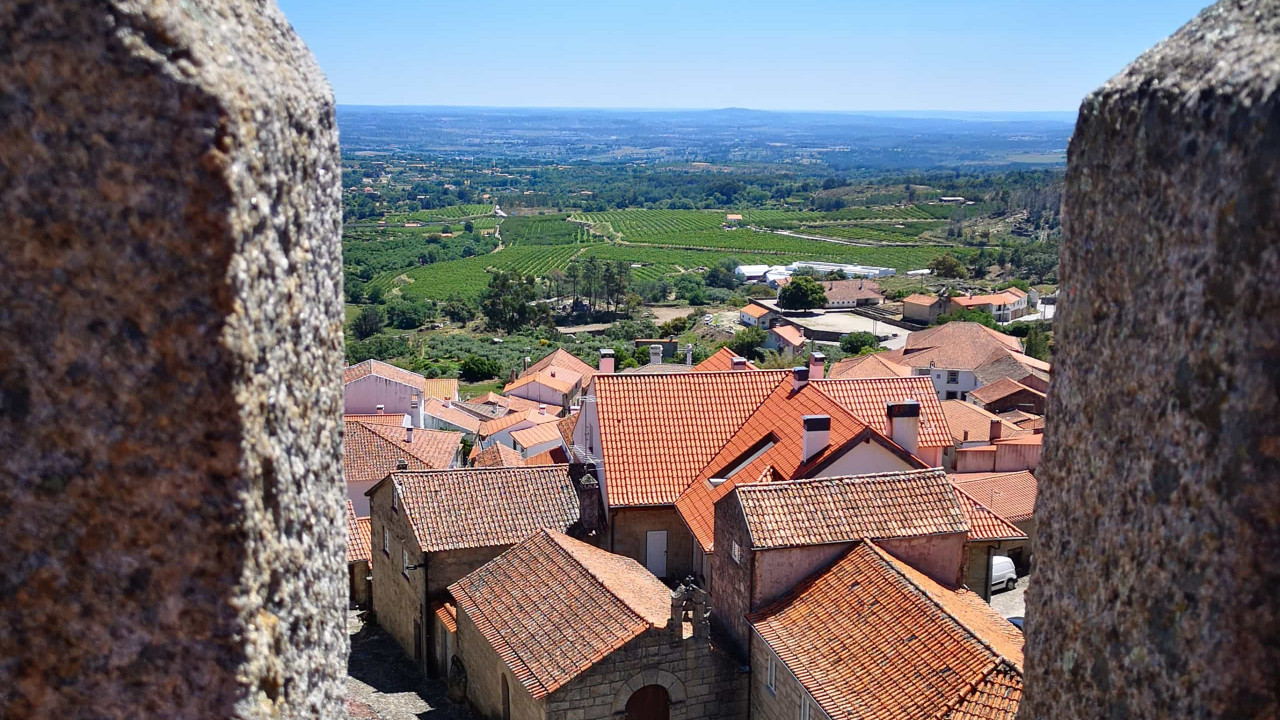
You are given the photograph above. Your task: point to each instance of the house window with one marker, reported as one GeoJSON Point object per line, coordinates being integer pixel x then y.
{"type": "Point", "coordinates": [806, 710]}
{"type": "Point", "coordinates": [404, 560]}
{"type": "Point", "coordinates": [953, 377]}
{"type": "Point", "coordinates": [395, 496]}
{"type": "Point", "coordinates": [771, 680]}
{"type": "Point", "coordinates": [386, 541]}
{"type": "Point", "coordinates": [736, 552]}
{"type": "Point", "coordinates": [951, 394]}
{"type": "Point", "coordinates": [964, 394]}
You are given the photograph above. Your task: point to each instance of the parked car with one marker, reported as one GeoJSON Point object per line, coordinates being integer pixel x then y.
{"type": "Point", "coordinates": [1003, 574]}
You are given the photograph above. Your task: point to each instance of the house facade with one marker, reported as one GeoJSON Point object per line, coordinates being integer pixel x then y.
{"type": "Point", "coordinates": [374, 386]}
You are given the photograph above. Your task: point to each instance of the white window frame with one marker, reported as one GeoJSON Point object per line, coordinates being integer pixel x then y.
{"type": "Point", "coordinates": [771, 679]}
{"type": "Point", "coordinates": [953, 374]}
{"type": "Point", "coordinates": [404, 562]}
{"type": "Point", "coordinates": [386, 541]}
{"type": "Point", "coordinates": [735, 551]}
{"type": "Point", "coordinates": [806, 709]}
{"type": "Point", "coordinates": [395, 496]}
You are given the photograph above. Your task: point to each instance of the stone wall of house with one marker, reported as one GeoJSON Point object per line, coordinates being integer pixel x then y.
{"type": "Point", "coordinates": [485, 673]}
{"type": "Point", "coordinates": [702, 681]}
{"type": "Point", "coordinates": [1158, 546]}
{"type": "Point", "coordinates": [730, 578]}
{"type": "Point", "coordinates": [941, 557]}
{"type": "Point", "coordinates": [398, 602]}
{"type": "Point", "coordinates": [783, 700]}
{"type": "Point", "coordinates": [170, 364]}
{"type": "Point", "coordinates": [448, 567]}
{"type": "Point", "coordinates": [629, 528]}
{"type": "Point", "coordinates": [360, 586]}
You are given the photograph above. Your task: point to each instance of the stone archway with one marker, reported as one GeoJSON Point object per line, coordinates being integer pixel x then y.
{"type": "Point", "coordinates": [672, 684]}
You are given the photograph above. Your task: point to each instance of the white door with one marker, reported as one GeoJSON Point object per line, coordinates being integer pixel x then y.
{"type": "Point", "coordinates": [655, 557]}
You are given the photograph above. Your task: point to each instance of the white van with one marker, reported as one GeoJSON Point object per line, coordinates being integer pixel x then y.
{"type": "Point", "coordinates": [1003, 576]}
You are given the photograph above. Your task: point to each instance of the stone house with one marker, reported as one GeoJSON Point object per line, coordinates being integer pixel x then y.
{"type": "Point", "coordinates": [923, 309]}
{"type": "Point", "coordinates": [768, 537]}
{"type": "Point", "coordinates": [960, 357]}
{"type": "Point", "coordinates": [1003, 455]}
{"type": "Point", "coordinates": [375, 386]}
{"type": "Point", "coordinates": [1012, 496]}
{"type": "Point", "coordinates": [989, 536]}
{"type": "Point", "coordinates": [1008, 394]}
{"type": "Point", "coordinates": [371, 450]}
{"type": "Point", "coordinates": [557, 629]}
{"type": "Point", "coordinates": [431, 528]}
{"type": "Point", "coordinates": [359, 554]}
{"type": "Point", "coordinates": [870, 631]}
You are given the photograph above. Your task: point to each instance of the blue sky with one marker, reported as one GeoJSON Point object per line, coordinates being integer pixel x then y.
{"type": "Point", "coordinates": [994, 55]}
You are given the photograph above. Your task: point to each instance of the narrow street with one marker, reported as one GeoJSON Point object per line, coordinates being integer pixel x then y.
{"type": "Point", "coordinates": [383, 685]}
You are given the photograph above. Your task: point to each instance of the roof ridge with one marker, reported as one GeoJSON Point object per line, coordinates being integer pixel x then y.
{"type": "Point", "coordinates": [831, 478]}
{"type": "Point", "coordinates": [999, 518]}
{"type": "Point", "coordinates": [537, 468]}
{"type": "Point", "coordinates": [929, 596]}
{"type": "Point", "coordinates": [603, 585]}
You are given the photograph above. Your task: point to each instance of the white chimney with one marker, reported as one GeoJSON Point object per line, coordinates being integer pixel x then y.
{"type": "Point", "coordinates": [380, 409]}
{"type": "Point", "coordinates": [606, 361]}
{"type": "Point", "coordinates": [688, 354]}
{"type": "Point", "coordinates": [542, 409]}
{"type": "Point", "coordinates": [817, 435]}
{"type": "Point", "coordinates": [573, 409]}
{"type": "Point", "coordinates": [799, 378]}
{"type": "Point", "coordinates": [739, 363]}
{"type": "Point", "coordinates": [904, 424]}
{"type": "Point", "coordinates": [527, 360]}
{"type": "Point", "coordinates": [655, 354]}
{"type": "Point", "coordinates": [407, 424]}
{"type": "Point", "coordinates": [817, 365]}
{"type": "Point", "coordinates": [448, 403]}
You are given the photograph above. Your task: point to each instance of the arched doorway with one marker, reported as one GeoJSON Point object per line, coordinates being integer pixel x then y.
{"type": "Point", "coordinates": [650, 702]}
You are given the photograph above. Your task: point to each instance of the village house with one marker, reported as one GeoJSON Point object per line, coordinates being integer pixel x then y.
{"type": "Point", "coordinates": [971, 426]}
{"type": "Point", "coordinates": [556, 380]}
{"type": "Point", "coordinates": [371, 449]}
{"type": "Point", "coordinates": [374, 386]}
{"type": "Point", "coordinates": [500, 430]}
{"type": "Point", "coordinates": [923, 309]}
{"type": "Point", "coordinates": [536, 439]}
{"type": "Point", "coordinates": [989, 536]}
{"type": "Point", "coordinates": [1008, 394]}
{"type": "Point", "coordinates": [359, 553]}
{"type": "Point", "coordinates": [431, 528]}
{"type": "Point", "coordinates": [1012, 496]}
{"type": "Point", "coordinates": [1003, 455]}
{"type": "Point", "coordinates": [785, 338]}
{"type": "Point", "coordinates": [871, 631]}
{"type": "Point", "coordinates": [754, 315]}
{"type": "Point", "coordinates": [557, 629]}
{"type": "Point", "coordinates": [960, 357]}
{"type": "Point", "coordinates": [845, 294]}
{"type": "Point", "coordinates": [444, 414]}
{"type": "Point", "coordinates": [1005, 306]}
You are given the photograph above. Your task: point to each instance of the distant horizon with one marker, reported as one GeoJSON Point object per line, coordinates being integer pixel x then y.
{"type": "Point", "coordinates": [928, 112]}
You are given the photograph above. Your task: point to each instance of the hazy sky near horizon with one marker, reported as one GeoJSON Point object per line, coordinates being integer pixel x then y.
{"type": "Point", "coordinates": [992, 55]}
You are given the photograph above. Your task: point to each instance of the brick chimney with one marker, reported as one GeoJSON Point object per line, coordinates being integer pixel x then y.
{"type": "Point", "coordinates": [817, 435]}
{"type": "Point", "coordinates": [739, 363]}
{"type": "Point", "coordinates": [606, 361]}
{"type": "Point", "coordinates": [799, 378]}
{"type": "Point", "coordinates": [655, 354]}
{"type": "Point", "coordinates": [817, 365]}
{"type": "Point", "coordinates": [997, 429]}
{"type": "Point", "coordinates": [904, 424]}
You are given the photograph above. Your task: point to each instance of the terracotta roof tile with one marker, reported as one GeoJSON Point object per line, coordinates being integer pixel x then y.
{"type": "Point", "coordinates": [911, 503]}
{"type": "Point", "coordinates": [658, 431]}
{"type": "Point", "coordinates": [566, 425]}
{"type": "Point", "coordinates": [868, 366]}
{"type": "Point", "coordinates": [1002, 388]}
{"type": "Point", "coordinates": [959, 346]}
{"type": "Point", "coordinates": [430, 387]}
{"type": "Point", "coordinates": [919, 299]}
{"type": "Point", "coordinates": [964, 417]}
{"type": "Point", "coordinates": [497, 425]}
{"type": "Point", "coordinates": [395, 419]}
{"type": "Point", "coordinates": [984, 524]}
{"type": "Point", "coordinates": [562, 358]}
{"type": "Point", "coordinates": [755, 311]}
{"type": "Point", "coordinates": [481, 411]}
{"type": "Point", "coordinates": [483, 507]}
{"type": "Point", "coordinates": [552, 606]}
{"type": "Point", "coordinates": [497, 455]}
{"type": "Point", "coordinates": [1012, 496]}
{"type": "Point", "coordinates": [1004, 297]}
{"type": "Point", "coordinates": [510, 402]}
{"type": "Point", "coordinates": [538, 434]}
{"type": "Point", "coordinates": [790, 334]}
{"type": "Point", "coordinates": [447, 613]}
{"type": "Point", "coordinates": [870, 637]}
{"type": "Point", "coordinates": [850, 290]}
{"type": "Point", "coordinates": [358, 547]}
{"type": "Point", "coordinates": [370, 450]}
{"type": "Point", "coordinates": [558, 379]}
{"type": "Point", "coordinates": [866, 398]}
{"type": "Point", "coordinates": [554, 456]}
{"type": "Point", "coordinates": [720, 361]}
{"type": "Point", "coordinates": [452, 415]}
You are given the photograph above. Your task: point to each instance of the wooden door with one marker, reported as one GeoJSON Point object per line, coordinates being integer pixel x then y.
{"type": "Point", "coordinates": [650, 702]}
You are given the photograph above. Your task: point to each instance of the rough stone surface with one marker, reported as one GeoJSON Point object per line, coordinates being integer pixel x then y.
{"type": "Point", "coordinates": [1158, 553]}
{"type": "Point", "coordinates": [170, 358]}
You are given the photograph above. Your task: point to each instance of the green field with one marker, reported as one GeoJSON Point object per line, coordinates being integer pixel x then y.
{"type": "Point", "coordinates": [453, 212]}
{"type": "Point", "coordinates": [543, 230]}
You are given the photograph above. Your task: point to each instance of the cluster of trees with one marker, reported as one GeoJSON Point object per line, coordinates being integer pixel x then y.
{"type": "Point", "coordinates": [802, 293]}
{"type": "Point", "coordinates": [597, 284]}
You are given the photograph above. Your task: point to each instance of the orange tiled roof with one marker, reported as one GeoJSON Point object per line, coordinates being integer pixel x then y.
{"type": "Point", "coordinates": [370, 450]}
{"type": "Point", "coordinates": [554, 456]}
{"type": "Point", "coordinates": [955, 346]}
{"type": "Point", "coordinates": [1002, 388]}
{"type": "Point", "coordinates": [910, 503]}
{"type": "Point", "coordinates": [430, 387]}
{"type": "Point", "coordinates": [919, 299]}
{"type": "Point", "coordinates": [562, 358]}
{"type": "Point", "coordinates": [720, 360]}
{"type": "Point", "coordinates": [483, 507]}
{"type": "Point", "coordinates": [395, 419]}
{"type": "Point", "coordinates": [447, 613]}
{"type": "Point", "coordinates": [866, 398]}
{"type": "Point", "coordinates": [497, 425]}
{"type": "Point", "coordinates": [965, 417]}
{"type": "Point", "coordinates": [552, 606]}
{"type": "Point", "coordinates": [558, 379]}
{"type": "Point", "coordinates": [870, 633]}
{"type": "Point", "coordinates": [1005, 297]}
{"type": "Point", "coordinates": [566, 425]}
{"type": "Point", "coordinates": [778, 422]}
{"type": "Point", "coordinates": [868, 366]}
{"type": "Point", "coordinates": [358, 547]}
{"type": "Point", "coordinates": [497, 455]}
{"type": "Point", "coordinates": [511, 402]}
{"type": "Point", "coordinates": [790, 334]}
{"type": "Point", "coordinates": [452, 415]}
{"type": "Point", "coordinates": [850, 290]}
{"type": "Point", "coordinates": [658, 431]}
{"type": "Point", "coordinates": [984, 524]}
{"type": "Point", "coordinates": [1012, 496]}
{"type": "Point", "coordinates": [1031, 423]}
{"type": "Point", "coordinates": [538, 434]}
{"type": "Point", "coordinates": [755, 311]}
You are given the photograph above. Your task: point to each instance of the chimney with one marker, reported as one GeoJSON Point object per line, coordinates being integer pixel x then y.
{"type": "Point", "coordinates": [591, 515]}
{"type": "Point", "coordinates": [688, 354]}
{"type": "Point", "coordinates": [606, 361]}
{"type": "Point", "coordinates": [402, 464]}
{"type": "Point", "coordinates": [799, 378]}
{"type": "Point", "coordinates": [573, 409]}
{"type": "Point", "coordinates": [380, 409]}
{"type": "Point", "coordinates": [542, 409]}
{"type": "Point", "coordinates": [817, 365]}
{"type": "Point", "coordinates": [527, 360]}
{"type": "Point", "coordinates": [997, 429]}
{"type": "Point", "coordinates": [655, 354]}
{"type": "Point", "coordinates": [407, 424]}
{"type": "Point", "coordinates": [448, 402]}
{"type": "Point", "coordinates": [817, 435]}
{"type": "Point", "coordinates": [739, 363]}
{"type": "Point", "coordinates": [904, 424]}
